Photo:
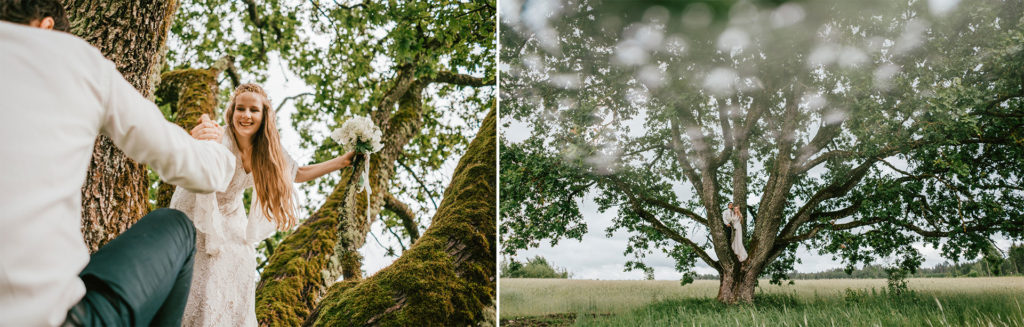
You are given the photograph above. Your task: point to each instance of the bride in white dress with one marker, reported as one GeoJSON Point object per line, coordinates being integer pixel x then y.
{"type": "Point", "coordinates": [733, 218]}
{"type": "Point", "coordinates": [224, 272]}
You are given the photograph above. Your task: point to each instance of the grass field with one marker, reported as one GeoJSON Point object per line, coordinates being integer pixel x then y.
{"type": "Point", "coordinates": [839, 302]}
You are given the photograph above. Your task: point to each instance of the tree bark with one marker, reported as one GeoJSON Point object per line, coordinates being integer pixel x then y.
{"type": "Point", "coordinates": [132, 34]}
{"type": "Point", "coordinates": [190, 93]}
{"type": "Point", "coordinates": [736, 288]}
{"type": "Point", "coordinates": [326, 245]}
{"type": "Point", "coordinates": [448, 277]}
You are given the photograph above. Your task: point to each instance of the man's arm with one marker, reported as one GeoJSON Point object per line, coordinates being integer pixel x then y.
{"type": "Point", "coordinates": [138, 128]}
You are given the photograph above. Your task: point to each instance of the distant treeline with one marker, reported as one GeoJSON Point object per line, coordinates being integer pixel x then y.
{"type": "Point", "coordinates": [538, 267]}
{"type": "Point", "coordinates": [992, 264]}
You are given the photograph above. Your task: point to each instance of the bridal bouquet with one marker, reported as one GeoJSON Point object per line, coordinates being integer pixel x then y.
{"type": "Point", "coordinates": [361, 135]}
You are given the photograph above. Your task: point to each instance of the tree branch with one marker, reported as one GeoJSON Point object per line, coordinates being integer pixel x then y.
{"type": "Point", "coordinates": [423, 186]}
{"type": "Point", "coordinates": [402, 211]}
{"type": "Point", "coordinates": [845, 212]}
{"type": "Point", "coordinates": [227, 64]}
{"type": "Point", "coordinates": [727, 135]}
{"type": "Point", "coordinates": [831, 191]}
{"type": "Point", "coordinates": [684, 163]}
{"type": "Point", "coordinates": [358, 5]}
{"type": "Point", "coordinates": [257, 20]}
{"type": "Point", "coordinates": [936, 233]}
{"type": "Point", "coordinates": [659, 226]}
{"type": "Point", "coordinates": [316, 5]}
{"type": "Point", "coordinates": [460, 79]}
{"type": "Point", "coordinates": [399, 238]}
{"type": "Point", "coordinates": [825, 134]}
{"type": "Point", "coordinates": [285, 100]}
{"type": "Point", "coordinates": [657, 202]}
{"type": "Point", "coordinates": [823, 158]}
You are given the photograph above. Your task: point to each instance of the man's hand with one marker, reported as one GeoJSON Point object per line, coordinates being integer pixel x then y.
{"type": "Point", "coordinates": [207, 130]}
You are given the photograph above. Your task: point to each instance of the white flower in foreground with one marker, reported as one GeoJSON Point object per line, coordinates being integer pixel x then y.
{"type": "Point", "coordinates": [359, 134]}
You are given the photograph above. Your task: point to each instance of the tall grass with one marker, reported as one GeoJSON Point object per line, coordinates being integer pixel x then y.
{"type": "Point", "coordinates": [878, 309]}
{"type": "Point", "coordinates": [845, 302]}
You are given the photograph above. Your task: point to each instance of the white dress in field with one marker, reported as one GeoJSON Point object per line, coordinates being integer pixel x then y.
{"type": "Point", "coordinates": [737, 233]}
{"type": "Point", "coordinates": [224, 276]}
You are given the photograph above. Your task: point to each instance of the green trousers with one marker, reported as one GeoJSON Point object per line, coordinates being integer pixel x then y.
{"type": "Point", "coordinates": [141, 278]}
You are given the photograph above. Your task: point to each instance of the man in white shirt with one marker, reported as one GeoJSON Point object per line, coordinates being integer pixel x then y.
{"type": "Point", "coordinates": [732, 218]}
{"type": "Point", "coordinates": [57, 93]}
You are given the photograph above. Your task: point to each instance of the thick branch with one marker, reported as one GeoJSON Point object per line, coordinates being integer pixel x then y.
{"type": "Point", "coordinates": [461, 79]}
{"type": "Point", "coordinates": [658, 202]}
{"type": "Point", "coordinates": [402, 211]}
{"type": "Point", "coordinates": [824, 135]}
{"type": "Point", "coordinates": [706, 161]}
{"type": "Point", "coordinates": [358, 5]}
{"type": "Point", "coordinates": [823, 158]}
{"type": "Point", "coordinates": [831, 191]}
{"type": "Point", "coordinates": [659, 226]}
{"type": "Point", "coordinates": [684, 163]}
{"type": "Point", "coordinates": [833, 215]}
{"type": "Point", "coordinates": [727, 135]}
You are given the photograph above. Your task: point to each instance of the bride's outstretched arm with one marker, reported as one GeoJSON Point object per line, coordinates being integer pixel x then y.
{"type": "Point", "coordinates": [314, 171]}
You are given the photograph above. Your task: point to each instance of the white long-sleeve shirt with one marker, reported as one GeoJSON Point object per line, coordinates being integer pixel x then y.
{"type": "Point", "coordinates": [57, 93]}
{"type": "Point", "coordinates": [729, 217]}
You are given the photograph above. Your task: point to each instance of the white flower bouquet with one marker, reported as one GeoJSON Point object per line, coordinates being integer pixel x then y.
{"type": "Point", "coordinates": [360, 134]}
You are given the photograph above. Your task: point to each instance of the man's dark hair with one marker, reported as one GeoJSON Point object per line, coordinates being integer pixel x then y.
{"type": "Point", "coordinates": [25, 11]}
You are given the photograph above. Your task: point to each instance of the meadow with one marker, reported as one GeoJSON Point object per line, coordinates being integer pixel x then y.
{"type": "Point", "coordinates": [994, 301]}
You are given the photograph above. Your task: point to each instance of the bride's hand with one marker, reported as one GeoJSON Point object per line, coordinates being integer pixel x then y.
{"type": "Point", "coordinates": [346, 159]}
{"type": "Point", "coordinates": [206, 130]}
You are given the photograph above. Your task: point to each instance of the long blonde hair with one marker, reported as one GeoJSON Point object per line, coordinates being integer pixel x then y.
{"type": "Point", "coordinates": [269, 166]}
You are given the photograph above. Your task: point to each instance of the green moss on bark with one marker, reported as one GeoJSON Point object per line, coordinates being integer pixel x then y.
{"type": "Point", "coordinates": [293, 278]}
{"type": "Point", "coordinates": [326, 245]}
{"type": "Point", "coordinates": [190, 94]}
{"type": "Point", "coordinates": [448, 277]}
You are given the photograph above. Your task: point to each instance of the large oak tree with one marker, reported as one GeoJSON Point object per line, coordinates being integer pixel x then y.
{"type": "Point", "coordinates": [423, 71]}
{"type": "Point", "coordinates": [856, 130]}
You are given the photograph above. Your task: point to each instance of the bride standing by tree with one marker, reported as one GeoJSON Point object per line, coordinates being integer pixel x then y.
{"type": "Point", "coordinates": [223, 283]}
{"type": "Point", "coordinates": [733, 218]}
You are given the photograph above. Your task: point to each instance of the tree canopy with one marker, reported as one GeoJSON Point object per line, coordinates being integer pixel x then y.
{"type": "Point", "coordinates": [855, 129]}
{"type": "Point", "coordinates": [349, 55]}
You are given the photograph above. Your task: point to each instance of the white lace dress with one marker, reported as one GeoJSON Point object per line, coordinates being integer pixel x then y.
{"type": "Point", "coordinates": [224, 271]}
{"type": "Point", "coordinates": [737, 234]}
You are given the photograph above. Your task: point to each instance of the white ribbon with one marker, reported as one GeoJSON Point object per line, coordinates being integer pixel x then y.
{"type": "Point", "coordinates": [366, 184]}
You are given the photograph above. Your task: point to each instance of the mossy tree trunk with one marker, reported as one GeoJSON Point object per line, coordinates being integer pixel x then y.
{"type": "Point", "coordinates": [190, 93]}
{"type": "Point", "coordinates": [448, 277]}
{"type": "Point", "coordinates": [326, 245]}
{"type": "Point", "coordinates": [132, 34]}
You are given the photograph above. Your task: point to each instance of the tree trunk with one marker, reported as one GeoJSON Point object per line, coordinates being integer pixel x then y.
{"type": "Point", "coordinates": [448, 277]}
{"type": "Point", "coordinates": [190, 93]}
{"type": "Point", "coordinates": [736, 288]}
{"type": "Point", "coordinates": [132, 34]}
{"type": "Point", "coordinates": [326, 245]}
